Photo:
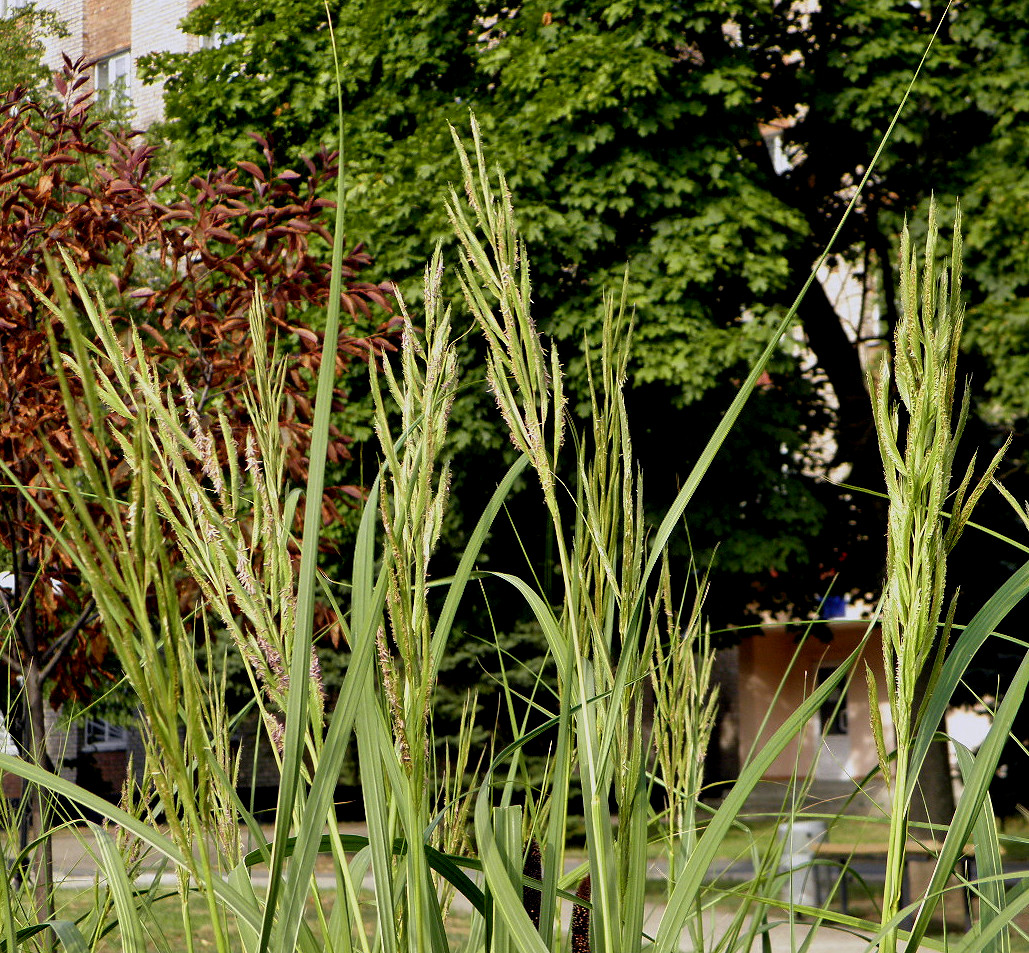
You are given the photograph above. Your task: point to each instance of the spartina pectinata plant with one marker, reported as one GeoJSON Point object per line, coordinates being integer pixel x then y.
{"type": "Point", "coordinates": [227, 523]}
{"type": "Point", "coordinates": [226, 509]}
{"type": "Point", "coordinates": [924, 659]}
{"type": "Point", "coordinates": [224, 505]}
{"type": "Point", "coordinates": [601, 634]}
{"type": "Point", "coordinates": [685, 707]}
{"type": "Point", "coordinates": [926, 518]}
{"type": "Point", "coordinates": [599, 644]}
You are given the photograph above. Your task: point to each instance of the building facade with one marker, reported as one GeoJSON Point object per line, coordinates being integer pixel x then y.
{"type": "Point", "coordinates": [116, 33]}
{"type": "Point", "coordinates": [778, 669]}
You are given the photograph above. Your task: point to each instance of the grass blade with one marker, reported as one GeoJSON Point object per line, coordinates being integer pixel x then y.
{"type": "Point", "coordinates": [988, 863]}
{"type": "Point", "coordinates": [441, 631]}
{"type": "Point", "coordinates": [297, 704]}
{"type": "Point", "coordinates": [982, 626]}
{"type": "Point", "coordinates": [686, 889]}
{"type": "Point", "coordinates": [165, 846]}
{"type": "Point", "coordinates": [130, 927]}
{"type": "Point", "coordinates": [508, 825]}
{"type": "Point", "coordinates": [507, 900]}
{"type": "Point", "coordinates": [70, 936]}
{"type": "Point", "coordinates": [970, 805]}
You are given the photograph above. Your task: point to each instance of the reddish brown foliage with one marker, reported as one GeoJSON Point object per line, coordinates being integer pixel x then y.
{"type": "Point", "coordinates": [185, 269]}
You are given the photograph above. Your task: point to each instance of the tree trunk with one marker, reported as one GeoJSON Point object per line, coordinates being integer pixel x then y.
{"type": "Point", "coordinates": [934, 794]}
{"type": "Point", "coordinates": [27, 634]}
{"type": "Point", "coordinates": [862, 517]}
{"type": "Point", "coordinates": [42, 865]}
{"type": "Point", "coordinates": [840, 360]}
{"type": "Point", "coordinates": [933, 803]}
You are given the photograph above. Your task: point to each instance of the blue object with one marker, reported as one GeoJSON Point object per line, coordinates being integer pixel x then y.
{"type": "Point", "coordinates": [833, 607]}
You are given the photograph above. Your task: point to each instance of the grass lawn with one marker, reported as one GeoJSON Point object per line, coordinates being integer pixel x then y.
{"type": "Point", "coordinates": [854, 829]}
{"type": "Point", "coordinates": [163, 924]}
{"type": "Point", "coordinates": [166, 931]}
{"type": "Point", "coordinates": [760, 831]}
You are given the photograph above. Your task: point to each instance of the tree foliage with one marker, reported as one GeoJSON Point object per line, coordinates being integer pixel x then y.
{"type": "Point", "coordinates": [712, 147]}
{"type": "Point", "coordinates": [23, 32]}
{"type": "Point", "coordinates": [184, 267]}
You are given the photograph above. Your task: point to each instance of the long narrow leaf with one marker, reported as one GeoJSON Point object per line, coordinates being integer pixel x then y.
{"type": "Point", "coordinates": [455, 592]}
{"type": "Point", "coordinates": [970, 805]}
{"type": "Point", "coordinates": [686, 889]}
{"type": "Point", "coordinates": [148, 835]}
{"type": "Point", "coordinates": [507, 901]}
{"type": "Point", "coordinates": [70, 936]}
{"type": "Point", "coordinates": [130, 927]}
{"type": "Point", "coordinates": [988, 862]}
{"type": "Point", "coordinates": [975, 634]}
{"type": "Point", "coordinates": [296, 709]}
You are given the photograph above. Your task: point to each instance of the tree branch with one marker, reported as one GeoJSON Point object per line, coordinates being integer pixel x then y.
{"type": "Point", "coordinates": [55, 653]}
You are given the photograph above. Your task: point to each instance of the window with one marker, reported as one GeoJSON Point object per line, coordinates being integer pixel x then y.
{"type": "Point", "coordinates": [834, 709]}
{"type": "Point", "coordinates": [112, 81]}
{"type": "Point", "coordinates": [100, 735]}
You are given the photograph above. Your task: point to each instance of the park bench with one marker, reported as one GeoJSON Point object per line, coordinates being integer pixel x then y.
{"type": "Point", "coordinates": [843, 853]}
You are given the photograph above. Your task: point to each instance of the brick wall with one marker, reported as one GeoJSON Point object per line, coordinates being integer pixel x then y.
{"type": "Point", "coordinates": [108, 27]}
{"type": "Point", "coordinates": [11, 785]}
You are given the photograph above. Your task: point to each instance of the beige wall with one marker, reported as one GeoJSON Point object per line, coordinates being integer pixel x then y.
{"type": "Point", "coordinates": [155, 28]}
{"type": "Point", "coordinates": [73, 13]}
{"type": "Point", "coordinates": [764, 662]}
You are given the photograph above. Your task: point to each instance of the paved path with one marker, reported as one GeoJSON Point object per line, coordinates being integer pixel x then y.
{"type": "Point", "coordinates": [785, 937]}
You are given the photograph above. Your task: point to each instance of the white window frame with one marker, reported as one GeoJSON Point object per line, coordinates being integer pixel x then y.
{"type": "Point", "coordinates": [101, 735]}
{"type": "Point", "coordinates": [112, 79]}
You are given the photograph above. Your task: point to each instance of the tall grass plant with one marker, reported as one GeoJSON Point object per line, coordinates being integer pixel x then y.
{"type": "Point", "coordinates": [617, 625]}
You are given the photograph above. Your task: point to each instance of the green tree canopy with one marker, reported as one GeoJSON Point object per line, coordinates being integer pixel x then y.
{"type": "Point", "coordinates": [23, 32]}
{"type": "Point", "coordinates": [709, 145]}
